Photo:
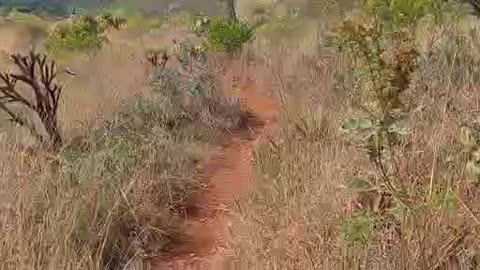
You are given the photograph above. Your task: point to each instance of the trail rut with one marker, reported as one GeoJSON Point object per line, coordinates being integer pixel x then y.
{"type": "Point", "coordinates": [226, 173]}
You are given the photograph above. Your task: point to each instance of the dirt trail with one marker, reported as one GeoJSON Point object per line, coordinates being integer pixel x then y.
{"type": "Point", "coordinates": [227, 172]}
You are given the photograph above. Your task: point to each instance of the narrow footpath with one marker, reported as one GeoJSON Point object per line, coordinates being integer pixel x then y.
{"type": "Point", "coordinates": [227, 172]}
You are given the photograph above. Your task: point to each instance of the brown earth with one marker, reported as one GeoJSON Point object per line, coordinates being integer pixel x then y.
{"type": "Point", "coordinates": [226, 175]}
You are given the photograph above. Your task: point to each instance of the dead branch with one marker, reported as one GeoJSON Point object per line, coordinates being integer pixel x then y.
{"type": "Point", "coordinates": [475, 4]}
{"type": "Point", "coordinates": [158, 59]}
{"type": "Point", "coordinates": [39, 74]}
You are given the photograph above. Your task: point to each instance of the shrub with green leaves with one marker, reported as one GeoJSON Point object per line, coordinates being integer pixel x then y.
{"type": "Point", "coordinates": [228, 36]}
{"type": "Point", "coordinates": [79, 34]}
{"type": "Point", "coordinates": [357, 229]}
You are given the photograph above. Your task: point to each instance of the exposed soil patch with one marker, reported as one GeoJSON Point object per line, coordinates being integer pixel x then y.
{"type": "Point", "coordinates": [224, 176]}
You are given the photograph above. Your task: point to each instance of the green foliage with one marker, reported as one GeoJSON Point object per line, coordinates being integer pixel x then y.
{"type": "Point", "coordinates": [357, 229]}
{"type": "Point", "coordinates": [386, 61]}
{"type": "Point", "coordinates": [82, 32]}
{"type": "Point", "coordinates": [357, 124]}
{"type": "Point", "coordinates": [358, 183]}
{"type": "Point", "coordinates": [79, 34]}
{"type": "Point", "coordinates": [228, 36]}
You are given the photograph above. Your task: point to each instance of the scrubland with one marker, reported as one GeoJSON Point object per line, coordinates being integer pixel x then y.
{"type": "Point", "coordinates": [373, 163]}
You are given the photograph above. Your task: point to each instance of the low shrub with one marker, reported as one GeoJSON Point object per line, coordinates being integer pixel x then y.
{"type": "Point", "coordinates": [78, 34]}
{"type": "Point", "coordinates": [227, 36]}
{"type": "Point", "coordinates": [192, 99]}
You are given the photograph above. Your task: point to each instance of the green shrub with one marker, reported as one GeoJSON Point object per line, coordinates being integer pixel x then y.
{"type": "Point", "coordinates": [82, 33]}
{"type": "Point", "coordinates": [226, 36]}
{"type": "Point", "coordinates": [357, 228]}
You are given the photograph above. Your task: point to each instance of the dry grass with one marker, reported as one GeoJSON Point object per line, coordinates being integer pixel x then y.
{"type": "Point", "coordinates": [114, 194]}
{"type": "Point", "coordinates": [299, 215]}
{"type": "Point", "coordinates": [291, 214]}
{"type": "Point", "coordinates": [102, 82]}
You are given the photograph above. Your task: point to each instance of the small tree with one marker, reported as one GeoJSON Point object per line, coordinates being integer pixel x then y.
{"type": "Point", "coordinates": [227, 36]}
{"type": "Point", "coordinates": [39, 75]}
{"type": "Point", "coordinates": [80, 33]}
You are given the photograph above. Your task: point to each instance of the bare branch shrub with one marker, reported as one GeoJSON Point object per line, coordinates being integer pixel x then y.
{"type": "Point", "coordinates": [157, 58]}
{"type": "Point", "coordinates": [39, 75]}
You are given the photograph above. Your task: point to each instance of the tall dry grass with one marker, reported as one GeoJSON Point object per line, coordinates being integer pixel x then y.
{"type": "Point", "coordinates": [114, 195]}
{"type": "Point", "coordinates": [300, 215]}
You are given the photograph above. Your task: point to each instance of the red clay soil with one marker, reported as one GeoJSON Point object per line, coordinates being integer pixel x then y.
{"type": "Point", "coordinates": [227, 171]}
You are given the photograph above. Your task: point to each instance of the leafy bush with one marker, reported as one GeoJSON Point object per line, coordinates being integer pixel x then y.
{"type": "Point", "coordinates": [357, 229]}
{"type": "Point", "coordinates": [227, 36]}
{"type": "Point", "coordinates": [81, 33]}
